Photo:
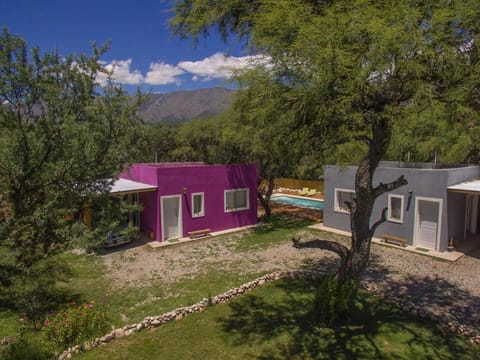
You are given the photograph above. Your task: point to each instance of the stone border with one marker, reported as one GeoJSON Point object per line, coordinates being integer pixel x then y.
{"type": "Point", "coordinates": [179, 313]}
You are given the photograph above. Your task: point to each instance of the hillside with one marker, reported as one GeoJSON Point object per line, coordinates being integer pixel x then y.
{"type": "Point", "coordinates": [181, 106]}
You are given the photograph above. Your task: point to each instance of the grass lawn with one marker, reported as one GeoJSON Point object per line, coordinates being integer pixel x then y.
{"type": "Point", "coordinates": [275, 321]}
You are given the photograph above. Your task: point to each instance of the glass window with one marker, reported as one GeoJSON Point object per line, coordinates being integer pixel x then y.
{"type": "Point", "coordinates": [236, 200]}
{"type": "Point", "coordinates": [395, 208]}
{"type": "Point", "coordinates": [342, 196]}
{"type": "Point", "coordinates": [198, 206]}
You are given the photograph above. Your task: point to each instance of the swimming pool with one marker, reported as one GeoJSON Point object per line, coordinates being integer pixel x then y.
{"type": "Point", "coordinates": [296, 201]}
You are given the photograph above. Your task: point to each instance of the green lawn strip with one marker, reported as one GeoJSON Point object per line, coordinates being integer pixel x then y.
{"type": "Point", "coordinates": [132, 304]}
{"type": "Point", "coordinates": [275, 321]}
{"type": "Point", "coordinates": [136, 304]}
{"type": "Point", "coordinates": [271, 232]}
{"type": "Point", "coordinates": [88, 281]}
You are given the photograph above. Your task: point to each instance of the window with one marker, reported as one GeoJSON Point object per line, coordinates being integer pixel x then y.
{"type": "Point", "coordinates": [198, 205]}
{"type": "Point", "coordinates": [341, 197]}
{"type": "Point", "coordinates": [395, 208]}
{"type": "Point", "coordinates": [236, 200]}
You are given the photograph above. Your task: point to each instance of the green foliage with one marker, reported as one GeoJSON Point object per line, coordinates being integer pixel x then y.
{"type": "Point", "coordinates": [162, 141]}
{"type": "Point", "coordinates": [27, 346]}
{"type": "Point", "coordinates": [76, 324]}
{"type": "Point", "coordinates": [63, 140]}
{"type": "Point", "coordinates": [63, 137]}
{"type": "Point", "coordinates": [32, 292]}
{"type": "Point", "coordinates": [197, 140]}
{"type": "Point", "coordinates": [335, 67]}
{"type": "Point", "coordinates": [334, 301]}
{"type": "Point", "coordinates": [108, 215]}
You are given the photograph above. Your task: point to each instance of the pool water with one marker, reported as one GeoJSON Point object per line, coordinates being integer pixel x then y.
{"type": "Point", "coordinates": [301, 202]}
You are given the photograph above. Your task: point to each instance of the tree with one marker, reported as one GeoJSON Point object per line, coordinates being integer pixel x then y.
{"type": "Point", "coordinates": [197, 140]}
{"type": "Point", "coordinates": [162, 141]}
{"type": "Point", "coordinates": [355, 71]}
{"type": "Point", "coordinates": [63, 139]}
{"type": "Point", "coordinates": [264, 128]}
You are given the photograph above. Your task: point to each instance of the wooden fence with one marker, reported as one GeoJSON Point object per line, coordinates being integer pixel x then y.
{"type": "Point", "coordinates": [299, 184]}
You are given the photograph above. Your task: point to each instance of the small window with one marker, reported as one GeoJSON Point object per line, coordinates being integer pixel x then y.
{"type": "Point", "coordinates": [342, 196]}
{"type": "Point", "coordinates": [198, 205]}
{"type": "Point", "coordinates": [395, 208]}
{"type": "Point", "coordinates": [236, 200]}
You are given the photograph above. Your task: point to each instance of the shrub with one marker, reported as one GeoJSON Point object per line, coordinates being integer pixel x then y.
{"type": "Point", "coordinates": [27, 346]}
{"type": "Point", "coordinates": [76, 324]}
{"type": "Point", "coordinates": [32, 292]}
{"type": "Point", "coordinates": [333, 300]}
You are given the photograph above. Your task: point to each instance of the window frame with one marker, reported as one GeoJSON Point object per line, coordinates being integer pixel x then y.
{"type": "Point", "coordinates": [247, 207]}
{"type": "Point", "coordinates": [202, 212]}
{"type": "Point", "coordinates": [390, 218]}
{"type": "Point", "coordinates": [336, 206]}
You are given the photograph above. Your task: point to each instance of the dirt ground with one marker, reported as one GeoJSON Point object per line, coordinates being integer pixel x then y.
{"type": "Point", "coordinates": [140, 265]}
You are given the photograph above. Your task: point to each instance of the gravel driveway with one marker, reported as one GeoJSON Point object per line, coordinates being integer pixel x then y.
{"type": "Point", "coordinates": [450, 290]}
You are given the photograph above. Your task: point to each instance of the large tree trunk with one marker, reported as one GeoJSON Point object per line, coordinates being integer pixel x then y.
{"type": "Point", "coordinates": [355, 259]}
{"type": "Point", "coordinates": [362, 205]}
{"type": "Point", "coordinates": [265, 190]}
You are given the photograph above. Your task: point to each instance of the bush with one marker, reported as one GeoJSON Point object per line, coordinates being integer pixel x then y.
{"type": "Point", "coordinates": [76, 324]}
{"type": "Point", "coordinates": [27, 346]}
{"type": "Point", "coordinates": [32, 292]}
{"type": "Point", "coordinates": [333, 300]}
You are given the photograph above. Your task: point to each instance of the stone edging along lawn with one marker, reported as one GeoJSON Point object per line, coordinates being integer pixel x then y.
{"type": "Point", "coordinates": [177, 314]}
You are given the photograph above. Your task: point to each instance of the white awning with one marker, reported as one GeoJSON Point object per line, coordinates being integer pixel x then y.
{"type": "Point", "coordinates": [124, 186]}
{"type": "Point", "coordinates": [472, 186]}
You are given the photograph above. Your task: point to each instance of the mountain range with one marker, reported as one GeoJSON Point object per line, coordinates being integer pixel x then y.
{"type": "Point", "coordinates": [181, 106]}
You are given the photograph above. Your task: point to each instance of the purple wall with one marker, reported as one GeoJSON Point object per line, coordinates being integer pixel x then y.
{"type": "Point", "coordinates": [187, 178]}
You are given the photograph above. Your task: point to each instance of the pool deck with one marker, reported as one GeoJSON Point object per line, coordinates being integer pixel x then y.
{"type": "Point", "coordinates": [296, 193]}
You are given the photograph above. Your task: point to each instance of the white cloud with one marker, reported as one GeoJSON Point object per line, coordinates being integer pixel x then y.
{"type": "Point", "coordinates": [218, 65]}
{"type": "Point", "coordinates": [121, 73]}
{"type": "Point", "coordinates": [163, 74]}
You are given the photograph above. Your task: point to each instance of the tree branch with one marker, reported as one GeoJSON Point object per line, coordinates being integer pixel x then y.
{"type": "Point", "coordinates": [382, 219]}
{"type": "Point", "coordinates": [339, 249]}
{"type": "Point", "coordinates": [363, 138]}
{"type": "Point", "coordinates": [384, 188]}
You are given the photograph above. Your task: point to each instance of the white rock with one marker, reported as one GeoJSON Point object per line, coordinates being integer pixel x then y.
{"type": "Point", "coordinates": [118, 333]}
{"type": "Point", "coordinates": [107, 338]}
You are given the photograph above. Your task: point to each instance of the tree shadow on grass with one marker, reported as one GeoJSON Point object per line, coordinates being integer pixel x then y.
{"type": "Point", "coordinates": [281, 324]}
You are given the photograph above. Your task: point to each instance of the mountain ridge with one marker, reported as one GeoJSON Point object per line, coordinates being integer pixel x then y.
{"type": "Point", "coordinates": [185, 105]}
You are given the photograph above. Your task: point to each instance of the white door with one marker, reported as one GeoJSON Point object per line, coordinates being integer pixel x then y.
{"type": "Point", "coordinates": [428, 213]}
{"type": "Point", "coordinates": [171, 217]}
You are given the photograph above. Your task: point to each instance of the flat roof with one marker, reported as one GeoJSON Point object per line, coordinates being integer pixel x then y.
{"type": "Point", "coordinates": [125, 186]}
{"type": "Point", "coordinates": [466, 187]}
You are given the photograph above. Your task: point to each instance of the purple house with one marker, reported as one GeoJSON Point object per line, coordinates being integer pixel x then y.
{"type": "Point", "coordinates": [179, 198]}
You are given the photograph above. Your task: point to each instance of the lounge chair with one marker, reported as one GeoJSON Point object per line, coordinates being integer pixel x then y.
{"type": "Point", "coordinates": [304, 191]}
{"type": "Point", "coordinates": [311, 192]}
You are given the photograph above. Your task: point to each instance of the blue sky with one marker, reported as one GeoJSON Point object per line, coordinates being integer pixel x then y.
{"type": "Point", "coordinates": [142, 48]}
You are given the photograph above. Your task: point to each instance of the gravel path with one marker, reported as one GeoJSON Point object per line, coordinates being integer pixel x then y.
{"type": "Point", "coordinates": [450, 290]}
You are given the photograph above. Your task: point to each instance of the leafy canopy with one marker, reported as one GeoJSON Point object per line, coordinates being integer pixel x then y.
{"type": "Point", "coordinates": [342, 63]}
{"type": "Point", "coordinates": [62, 138]}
